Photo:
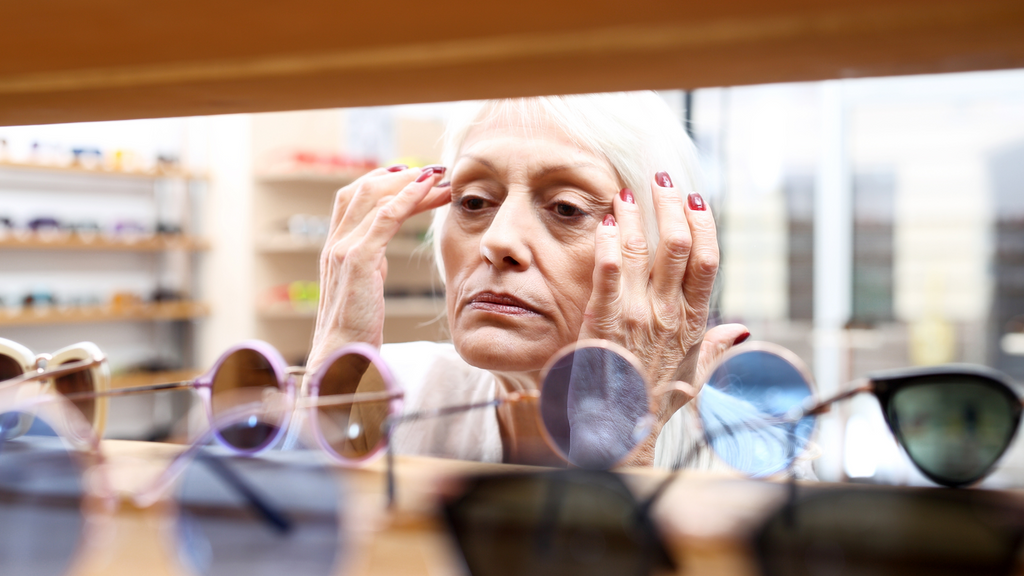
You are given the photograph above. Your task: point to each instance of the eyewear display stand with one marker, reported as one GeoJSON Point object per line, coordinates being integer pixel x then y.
{"type": "Point", "coordinates": [706, 518]}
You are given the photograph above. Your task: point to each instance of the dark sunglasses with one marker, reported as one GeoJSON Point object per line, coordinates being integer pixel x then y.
{"type": "Point", "coordinates": [954, 422]}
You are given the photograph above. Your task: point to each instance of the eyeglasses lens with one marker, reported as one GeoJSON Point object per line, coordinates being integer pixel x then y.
{"type": "Point", "coordinates": [953, 428]}
{"type": "Point", "coordinates": [221, 533]}
{"type": "Point", "coordinates": [81, 381]}
{"type": "Point", "coordinates": [566, 523]}
{"type": "Point", "coordinates": [742, 408]}
{"type": "Point", "coordinates": [9, 368]}
{"type": "Point", "coordinates": [241, 384]}
{"type": "Point", "coordinates": [40, 499]}
{"type": "Point", "coordinates": [594, 406]}
{"type": "Point", "coordinates": [882, 533]}
{"type": "Point", "coordinates": [352, 430]}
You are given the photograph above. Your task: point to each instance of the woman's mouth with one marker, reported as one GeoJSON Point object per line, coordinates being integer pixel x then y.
{"type": "Point", "coordinates": [501, 304]}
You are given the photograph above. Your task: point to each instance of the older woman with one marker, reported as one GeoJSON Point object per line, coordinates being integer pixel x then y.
{"type": "Point", "coordinates": [556, 219]}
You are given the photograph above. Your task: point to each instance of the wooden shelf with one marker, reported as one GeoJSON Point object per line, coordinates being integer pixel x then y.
{"type": "Point", "coordinates": [105, 313]}
{"type": "Point", "coordinates": [102, 243]}
{"type": "Point", "coordinates": [394, 307]}
{"type": "Point", "coordinates": [78, 170]}
{"type": "Point", "coordinates": [285, 243]}
{"type": "Point", "coordinates": [335, 179]}
{"type": "Point", "coordinates": [134, 379]}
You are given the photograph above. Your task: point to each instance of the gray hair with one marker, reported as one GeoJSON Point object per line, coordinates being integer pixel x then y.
{"type": "Point", "coordinates": [635, 131]}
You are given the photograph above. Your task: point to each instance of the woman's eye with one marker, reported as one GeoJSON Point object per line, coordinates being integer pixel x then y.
{"type": "Point", "coordinates": [567, 210]}
{"type": "Point", "coordinates": [473, 203]}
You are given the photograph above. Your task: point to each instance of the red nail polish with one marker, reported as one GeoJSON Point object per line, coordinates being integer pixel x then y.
{"type": "Point", "coordinates": [397, 168]}
{"type": "Point", "coordinates": [436, 168]}
{"type": "Point", "coordinates": [696, 202]}
{"type": "Point", "coordinates": [609, 220]}
{"type": "Point", "coordinates": [741, 338]}
{"type": "Point", "coordinates": [627, 195]}
{"type": "Point", "coordinates": [663, 180]}
{"type": "Point", "coordinates": [427, 173]}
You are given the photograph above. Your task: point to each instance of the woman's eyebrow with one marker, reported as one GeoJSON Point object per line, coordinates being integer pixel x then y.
{"type": "Point", "coordinates": [486, 163]}
{"type": "Point", "coordinates": [555, 169]}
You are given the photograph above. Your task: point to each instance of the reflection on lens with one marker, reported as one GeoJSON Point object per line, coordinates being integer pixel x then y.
{"type": "Point", "coordinates": [240, 383]}
{"type": "Point", "coordinates": [41, 517]}
{"type": "Point", "coordinates": [562, 523]}
{"type": "Point", "coordinates": [954, 428]}
{"type": "Point", "coordinates": [81, 381]}
{"type": "Point", "coordinates": [741, 407]}
{"type": "Point", "coordinates": [884, 532]}
{"type": "Point", "coordinates": [9, 368]}
{"type": "Point", "coordinates": [352, 430]}
{"type": "Point", "coordinates": [221, 532]}
{"type": "Point", "coordinates": [594, 406]}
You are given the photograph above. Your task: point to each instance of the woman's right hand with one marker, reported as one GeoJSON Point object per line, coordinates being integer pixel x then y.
{"type": "Point", "coordinates": [367, 214]}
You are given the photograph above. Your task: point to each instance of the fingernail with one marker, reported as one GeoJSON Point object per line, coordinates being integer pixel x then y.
{"type": "Point", "coordinates": [435, 168]}
{"type": "Point", "coordinates": [627, 195]}
{"type": "Point", "coordinates": [663, 180]}
{"type": "Point", "coordinates": [427, 173]}
{"type": "Point", "coordinates": [741, 338]}
{"type": "Point", "coordinates": [397, 168]}
{"type": "Point", "coordinates": [609, 220]}
{"type": "Point", "coordinates": [444, 184]}
{"type": "Point", "coordinates": [696, 202]}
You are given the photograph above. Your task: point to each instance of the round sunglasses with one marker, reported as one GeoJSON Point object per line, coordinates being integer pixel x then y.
{"type": "Point", "coordinates": [233, 514]}
{"type": "Point", "coordinates": [954, 422]}
{"type": "Point", "coordinates": [347, 399]}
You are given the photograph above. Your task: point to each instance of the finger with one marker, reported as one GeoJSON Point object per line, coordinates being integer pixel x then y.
{"type": "Point", "coordinates": [674, 240]}
{"type": "Point", "coordinates": [369, 193]}
{"type": "Point", "coordinates": [391, 213]}
{"type": "Point", "coordinates": [703, 261]}
{"type": "Point", "coordinates": [439, 196]}
{"type": "Point", "coordinates": [607, 268]}
{"type": "Point", "coordinates": [718, 341]}
{"type": "Point", "coordinates": [344, 195]}
{"type": "Point", "coordinates": [632, 243]}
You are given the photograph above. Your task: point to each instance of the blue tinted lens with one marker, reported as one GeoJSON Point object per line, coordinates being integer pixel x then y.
{"type": "Point", "coordinates": [743, 406]}
{"type": "Point", "coordinates": [594, 406]}
{"type": "Point", "coordinates": [272, 515]}
{"type": "Point", "coordinates": [41, 516]}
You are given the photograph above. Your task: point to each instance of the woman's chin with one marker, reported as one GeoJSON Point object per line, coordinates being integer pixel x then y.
{"type": "Point", "coordinates": [503, 350]}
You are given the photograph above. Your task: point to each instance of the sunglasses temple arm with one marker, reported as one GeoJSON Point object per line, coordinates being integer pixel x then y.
{"type": "Point", "coordinates": [856, 387]}
{"type": "Point", "coordinates": [392, 422]}
{"type": "Point", "coordinates": [345, 399]}
{"type": "Point", "coordinates": [276, 519]}
{"type": "Point", "coordinates": [129, 391]}
{"type": "Point", "coordinates": [64, 370]}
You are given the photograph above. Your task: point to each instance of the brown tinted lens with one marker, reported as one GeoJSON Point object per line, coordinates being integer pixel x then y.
{"type": "Point", "coordinates": [352, 430]}
{"type": "Point", "coordinates": [81, 381]}
{"type": "Point", "coordinates": [9, 368]}
{"type": "Point", "coordinates": [243, 380]}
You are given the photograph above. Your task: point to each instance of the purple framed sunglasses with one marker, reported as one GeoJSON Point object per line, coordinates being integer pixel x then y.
{"type": "Point", "coordinates": [347, 399]}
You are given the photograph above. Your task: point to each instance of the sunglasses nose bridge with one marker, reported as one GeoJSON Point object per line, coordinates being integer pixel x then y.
{"type": "Point", "coordinates": [41, 361]}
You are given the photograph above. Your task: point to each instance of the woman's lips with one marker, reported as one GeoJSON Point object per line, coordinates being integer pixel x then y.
{"type": "Point", "coordinates": [501, 304]}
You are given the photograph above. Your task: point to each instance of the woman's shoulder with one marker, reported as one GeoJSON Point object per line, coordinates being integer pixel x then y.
{"type": "Point", "coordinates": [435, 366]}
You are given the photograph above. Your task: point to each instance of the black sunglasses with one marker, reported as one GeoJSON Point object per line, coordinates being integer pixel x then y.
{"type": "Point", "coordinates": [953, 421]}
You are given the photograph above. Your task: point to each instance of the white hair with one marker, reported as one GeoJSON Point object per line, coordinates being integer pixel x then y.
{"type": "Point", "coordinates": [635, 131]}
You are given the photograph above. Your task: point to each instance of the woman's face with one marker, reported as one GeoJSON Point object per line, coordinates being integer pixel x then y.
{"type": "Point", "coordinates": [518, 243]}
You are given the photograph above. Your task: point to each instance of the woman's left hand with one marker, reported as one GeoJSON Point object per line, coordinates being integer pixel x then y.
{"type": "Point", "coordinates": [654, 302]}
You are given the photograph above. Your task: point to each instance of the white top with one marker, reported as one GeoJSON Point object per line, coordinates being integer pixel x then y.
{"type": "Point", "coordinates": [434, 375]}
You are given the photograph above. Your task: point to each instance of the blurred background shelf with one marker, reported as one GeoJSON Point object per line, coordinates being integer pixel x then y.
{"type": "Point", "coordinates": [104, 313]}
{"type": "Point", "coordinates": [81, 170]}
{"type": "Point", "coordinates": [155, 243]}
{"type": "Point", "coordinates": [335, 179]}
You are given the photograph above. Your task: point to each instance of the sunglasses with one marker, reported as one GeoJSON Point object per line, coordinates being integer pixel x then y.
{"type": "Point", "coordinates": [954, 422]}
{"type": "Point", "coordinates": [232, 514]}
{"type": "Point", "coordinates": [18, 361]}
{"type": "Point", "coordinates": [347, 400]}
{"type": "Point", "coordinates": [593, 404]}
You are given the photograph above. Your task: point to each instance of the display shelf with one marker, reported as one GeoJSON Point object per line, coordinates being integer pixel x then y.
{"type": "Point", "coordinates": [134, 379]}
{"type": "Point", "coordinates": [337, 179]}
{"type": "Point", "coordinates": [103, 243]}
{"type": "Point", "coordinates": [394, 307]}
{"type": "Point", "coordinates": [184, 310]}
{"type": "Point", "coordinates": [143, 174]}
{"type": "Point", "coordinates": [285, 243]}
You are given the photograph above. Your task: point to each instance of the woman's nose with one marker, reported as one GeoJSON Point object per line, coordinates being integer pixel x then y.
{"type": "Point", "coordinates": [505, 243]}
